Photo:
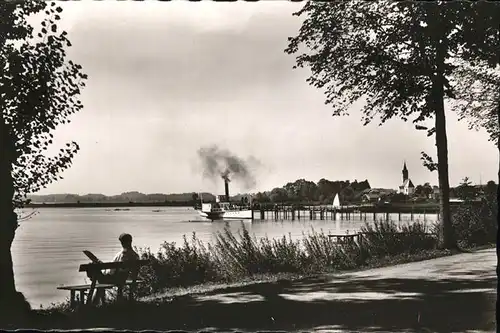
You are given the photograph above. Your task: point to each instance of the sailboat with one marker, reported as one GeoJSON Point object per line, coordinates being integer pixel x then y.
{"type": "Point", "coordinates": [336, 202]}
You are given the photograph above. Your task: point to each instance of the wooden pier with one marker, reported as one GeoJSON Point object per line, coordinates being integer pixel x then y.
{"type": "Point", "coordinates": [347, 213]}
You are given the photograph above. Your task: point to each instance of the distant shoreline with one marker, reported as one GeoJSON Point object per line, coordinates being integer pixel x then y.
{"type": "Point", "coordinates": [108, 204]}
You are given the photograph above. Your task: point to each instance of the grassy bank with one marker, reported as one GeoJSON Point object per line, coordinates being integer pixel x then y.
{"type": "Point", "coordinates": [231, 258]}
{"type": "Point", "coordinates": [171, 293]}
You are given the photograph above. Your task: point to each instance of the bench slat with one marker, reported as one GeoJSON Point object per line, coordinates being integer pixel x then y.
{"type": "Point", "coordinates": [116, 264]}
{"type": "Point", "coordinates": [86, 286]}
{"type": "Point", "coordinates": [102, 285]}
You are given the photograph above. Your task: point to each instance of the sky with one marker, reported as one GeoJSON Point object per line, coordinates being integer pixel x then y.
{"type": "Point", "coordinates": [166, 78]}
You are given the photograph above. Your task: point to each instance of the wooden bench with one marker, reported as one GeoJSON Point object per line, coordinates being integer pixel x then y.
{"type": "Point", "coordinates": [360, 237]}
{"type": "Point", "coordinates": [93, 270]}
{"type": "Point", "coordinates": [342, 239]}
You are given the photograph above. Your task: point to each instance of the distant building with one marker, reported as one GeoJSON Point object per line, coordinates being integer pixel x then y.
{"type": "Point", "coordinates": [376, 195]}
{"type": "Point", "coordinates": [435, 192]}
{"type": "Point", "coordinates": [370, 197]}
{"type": "Point", "coordinates": [407, 188]}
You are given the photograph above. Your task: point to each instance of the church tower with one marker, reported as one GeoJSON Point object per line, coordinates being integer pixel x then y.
{"type": "Point", "coordinates": [405, 172]}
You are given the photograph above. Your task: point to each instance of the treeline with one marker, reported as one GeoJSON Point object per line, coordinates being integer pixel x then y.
{"type": "Point", "coordinates": [323, 192]}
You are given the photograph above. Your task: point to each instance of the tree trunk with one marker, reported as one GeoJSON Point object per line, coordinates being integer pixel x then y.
{"type": "Point", "coordinates": [498, 186]}
{"type": "Point", "coordinates": [8, 218]}
{"type": "Point", "coordinates": [447, 236]}
{"type": "Point", "coordinates": [447, 239]}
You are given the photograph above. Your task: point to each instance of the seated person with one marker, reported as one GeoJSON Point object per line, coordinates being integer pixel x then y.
{"type": "Point", "coordinates": [117, 276]}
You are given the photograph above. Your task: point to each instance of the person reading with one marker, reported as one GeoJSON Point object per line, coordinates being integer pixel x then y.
{"type": "Point", "coordinates": [120, 275]}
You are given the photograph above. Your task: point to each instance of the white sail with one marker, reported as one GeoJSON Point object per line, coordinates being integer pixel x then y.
{"type": "Point", "coordinates": [336, 201]}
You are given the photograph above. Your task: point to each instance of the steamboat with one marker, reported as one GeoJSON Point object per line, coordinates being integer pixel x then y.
{"type": "Point", "coordinates": [224, 209]}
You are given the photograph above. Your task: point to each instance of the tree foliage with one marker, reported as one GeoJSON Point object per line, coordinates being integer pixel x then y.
{"type": "Point", "coordinates": [399, 58]}
{"type": "Point", "coordinates": [478, 97]}
{"type": "Point", "coordinates": [304, 191]}
{"type": "Point", "coordinates": [424, 190]}
{"type": "Point", "coordinates": [382, 52]}
{"type": "Point", "coordinates": [39, 90]}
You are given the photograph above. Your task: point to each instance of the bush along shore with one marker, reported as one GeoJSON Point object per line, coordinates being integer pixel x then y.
{"type": "Point", "coordinates": [197, 267]}
{"type": "Point", "coordinates": [232, 258]}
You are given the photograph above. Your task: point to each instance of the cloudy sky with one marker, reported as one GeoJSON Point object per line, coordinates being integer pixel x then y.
{"type": "Point", "coordinates": [168, 78]}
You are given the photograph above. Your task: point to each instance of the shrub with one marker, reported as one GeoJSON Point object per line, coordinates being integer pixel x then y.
{"type": "Point", "coordinates": [177, 266]}
{"type": "Point", "coordinates": [475, 223]}
{"type": "Point", "coordinates": [387, 238]}
{"type": "Point", "coordinates": [231, 257]}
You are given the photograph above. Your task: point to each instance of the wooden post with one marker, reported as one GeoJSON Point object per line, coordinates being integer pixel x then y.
{"type": "Point", "coordinates": [72, 298]}
{"type": "Point", "coordinates": [298, 213]}
{"type": "Point", "coordinates": [424, 215]}
{"type": "Point", "coordinates": [387, 216]}
{"type": "Point", "coordinates": [262, 216]}
{"type": "Point", "coordinates": [91, 291]}
{"type": "Point", "coordinates": [310, 214]}
{"type": "Point", "coordinates": [374, 216]}
{"type": "Point", "coordinates": [82, 297]}
{"type": "Point", "coordinates": [399, 216]}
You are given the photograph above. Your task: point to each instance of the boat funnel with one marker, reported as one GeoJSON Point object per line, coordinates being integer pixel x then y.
{"type": "Point", "coordinates": [226, 186]}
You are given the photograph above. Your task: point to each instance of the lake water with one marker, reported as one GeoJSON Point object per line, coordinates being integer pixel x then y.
{"type": "Point", "coordinates": [47, 250]}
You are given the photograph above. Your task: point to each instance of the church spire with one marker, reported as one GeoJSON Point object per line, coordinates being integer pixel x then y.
{"type": "Point", "coordinates": [405, 172]}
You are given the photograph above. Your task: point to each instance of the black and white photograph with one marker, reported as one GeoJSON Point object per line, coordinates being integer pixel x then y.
{"type": "Point", "coordinates": [249, 166]}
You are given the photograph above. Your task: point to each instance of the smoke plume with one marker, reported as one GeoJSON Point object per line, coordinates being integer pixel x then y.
{"type": "Point", "coordinates": [220, 163]}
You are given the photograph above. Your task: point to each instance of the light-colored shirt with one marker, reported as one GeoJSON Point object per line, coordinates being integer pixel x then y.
{"type": "Point", "coordinates": [124, 255]}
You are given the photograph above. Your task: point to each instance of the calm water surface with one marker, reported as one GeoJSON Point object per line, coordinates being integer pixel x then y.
{"type": "Point", "coordinates": [47, 250]}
